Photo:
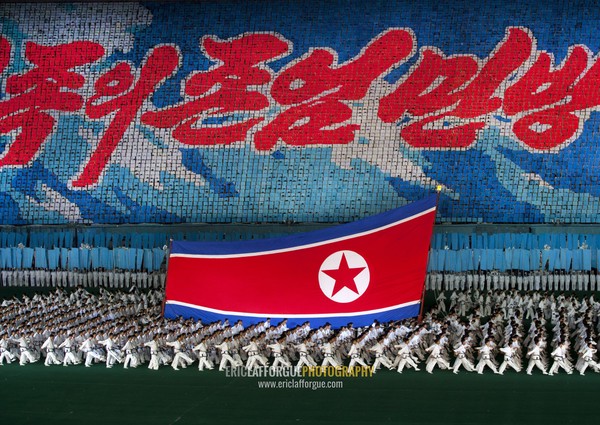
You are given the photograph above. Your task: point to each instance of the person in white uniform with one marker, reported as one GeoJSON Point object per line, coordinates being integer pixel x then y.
{"type": "Point", "coordinates": [51, 358]}
{"type": "Point", "coordinates": [253, 354]}
{"type": "Point", "coordinates": [25, 350]}
{"type": "Point", "coordinates": [154, 363]}
{"type": "Point", "coordinates": [559, 356]}
{"type": "Point", "coordinates": [510, 359]}
{"type": "Point", "coordinates": [304, 358]}
{"type": "Point", "coordinates": [131, 358]}
{"type": "Point", "coordinates": [461, 351]}
{"type": "Point", "coordinates": [226, 359]}
{"type": "Point", "coordinates": [486, 357]}
{"type": "Point", "coordinates": [535, 357]}
{"type": "Point", "coordinates": [5, 354]}
{"type": "Point", "coordinates": [435, 357]}
{"type": "Point", "coordinates": [587, 357]}
{"type": "Point", "coordinates": [380, 358]}
{"type": "Point", "coordinates": [277, 351]}
{"type": "Point", "coordinates": [405, 356]}
{"type": "Point", "coordinates": [91, 351]}
{"type": "Point", "coordinates": [328, 352]}
{"type": "Point", "coordinates": [180, 358]}
{"type": "Point", "coordinates": [355, 354]}
{"type": "Point", "coordinates": [201, 352]}
{"type": "Point", "coordinates": [112, 356]}
{"type": "Point", "coordinates": [67, 346]}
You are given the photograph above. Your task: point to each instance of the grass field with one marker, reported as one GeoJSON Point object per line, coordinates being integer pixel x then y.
{"type": "Point", "coordinates": [35, 394]}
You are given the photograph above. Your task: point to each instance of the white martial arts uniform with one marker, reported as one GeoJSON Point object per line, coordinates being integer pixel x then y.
{"type": "Point", "coordinates": [486, 359]}
{"type": "Point", "coordinates": [535, 359]}
{"type": "Point", "coordinates": [226, 358]}
{"type": "Point", "coordinates": [254, 357]}
{"type": "Point", "coordinates": [279, 359]}
{"type": "Point", "coordinates": [435, 358]}
{"type": "Point", "coordinates": [179, 358]}
{"type": "Point", "coordinates": [67, 346]}
{"type": "Point", "coordinates": [328, 352]}
{"type": "Point", "coordinates": [510, 359]}
{"type": "Point", "coordinates": [559, 357]}
{"type": "Point", "coordinates": [405, 358]}
{"type": "Point", "coordinates": [201, 350]}
{"type": "Point", "coordinates": [461, 359]}
{"type": "Point", "coordinates": [51, 358]}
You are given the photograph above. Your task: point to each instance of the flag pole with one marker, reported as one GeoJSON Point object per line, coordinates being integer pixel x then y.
{"type": "Point", "coordinates": [438, 189]}
{"type": "Point", "coordinates": [164, 302]}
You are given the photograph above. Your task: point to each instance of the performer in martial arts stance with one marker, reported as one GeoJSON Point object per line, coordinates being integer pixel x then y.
{"type": "Point", "coordinates": [587, 359]}
{"type": "Point", "coordinates": [460, 351]}
{"type": "Point", "coordinates": [355, 353]}
{"type": "Point", "coordinates": [67, 346]}
{"type": "Point", "coordinates": [435, 357]}
{"type": "Point", "coordinates": [305, 359]}
{"type": "Point", "coordinates": [328, 351]}
{"type": "Point", "coordinates": [535, 357]}
{"type": "Point", "coordinates": [405, 358]}
{"type": "Point", "coordinates": [179, 355]}
{"type": "Point", "coordinates": [486, 357]}
{"type": "Point", "coordinates": [226, 358]}
{"type": "Point", "coordinates": [154, 354]}
{"type": "Point", "coordinates": [559, 355]}
{"type": "Point", "coordinates": [112, 354]}
{"type": "Point", "coordinates": [201, 351]}
{"type": "Point", "coordinates": [51, 358]}
{"type": "Point", "coordinates": [277, 349]}
{"type": "Point", "coordinates": [254, 357]}
{"type": "Point", "coordinates": [510, 359]}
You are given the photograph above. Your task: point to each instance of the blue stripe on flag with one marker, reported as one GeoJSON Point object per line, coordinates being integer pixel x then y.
{"type": "Point", "coordinates": [173, 311]}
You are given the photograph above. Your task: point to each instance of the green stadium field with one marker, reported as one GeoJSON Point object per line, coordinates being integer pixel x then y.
{"type": "Point", "coordinates": [35, 394]}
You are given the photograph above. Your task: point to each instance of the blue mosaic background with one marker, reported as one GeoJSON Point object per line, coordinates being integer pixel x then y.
{"type": "Point", "coordinates": [152, 179]}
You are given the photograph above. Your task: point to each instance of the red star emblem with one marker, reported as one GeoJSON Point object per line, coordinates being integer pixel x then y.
{"type": "Point", "coordinates": [344, 276]}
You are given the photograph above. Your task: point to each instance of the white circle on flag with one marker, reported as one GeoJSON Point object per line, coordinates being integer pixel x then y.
{"type": "Point", "coordinates": [344, 276]}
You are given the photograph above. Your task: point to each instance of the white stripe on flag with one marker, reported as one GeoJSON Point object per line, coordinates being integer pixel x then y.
{"type": "Point", "coordinates": [290, 316]}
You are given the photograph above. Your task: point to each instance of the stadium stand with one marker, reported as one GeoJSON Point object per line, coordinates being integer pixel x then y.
{"type": "Point", "coordinates": [126, 125]}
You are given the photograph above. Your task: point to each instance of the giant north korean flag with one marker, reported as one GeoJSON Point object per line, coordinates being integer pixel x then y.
{"type": "Point", "coordinates": [371, 269]}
